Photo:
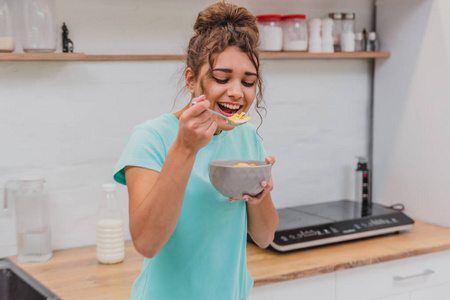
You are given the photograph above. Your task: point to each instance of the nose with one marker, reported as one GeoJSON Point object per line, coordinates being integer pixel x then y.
{"type": "Point", "coordinates": [235, 90]}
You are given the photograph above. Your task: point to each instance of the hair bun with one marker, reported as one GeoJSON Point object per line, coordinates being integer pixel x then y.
{"type": "Point", "coordinates": [224, 15]}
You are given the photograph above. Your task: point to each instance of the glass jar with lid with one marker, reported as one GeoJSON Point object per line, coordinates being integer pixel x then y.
{"type": "Point", "coordinates": [337, 30]}
{"type": "Point", "coordinates": [6, 31]}
{"type": "Point", "coordinates": [348, 33]}
{"type": "Point", "coordinates": [295, 33]}
{"type": "Point", "coordinates": [270, 32]}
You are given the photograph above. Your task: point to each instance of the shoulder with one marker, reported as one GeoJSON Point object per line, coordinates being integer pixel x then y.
{"type": "Point", "coordinates": [159, 131]}
{"type": "Point", "coordinates": [165, 126]}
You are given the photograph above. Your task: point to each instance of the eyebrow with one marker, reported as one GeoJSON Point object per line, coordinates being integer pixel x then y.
{"type": "Point", "coordinates": [231, 71]}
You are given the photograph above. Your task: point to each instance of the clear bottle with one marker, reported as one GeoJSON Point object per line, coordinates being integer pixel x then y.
{"type": "Point", "coordinates": [348, 33]}
{"type": "Point", "coordinates": [110, 245]}
{"type": "Point", "coordinates": [7, 41]}
{"type": "Point", "coordinates": [337, 30]}
{"type": "Point", "coordinates": [39, 26]}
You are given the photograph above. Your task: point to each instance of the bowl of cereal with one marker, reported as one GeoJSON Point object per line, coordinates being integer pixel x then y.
{"type": "Point", "coordinates": [234, 178]}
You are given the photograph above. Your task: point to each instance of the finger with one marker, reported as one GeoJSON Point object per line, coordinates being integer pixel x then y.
{"type": "Point", "coordinates": [270, 159]}
{"type": "Point", "coordinates": [205, 118]}
{"type": "Point", "coordinates": [244, 198]}
{"type": "Point", "coordinates": [198, 108]}
{"type": "Point", "coordinates": [198, 99]}
{"type": "Point", "coordinates": [267, 185]}
{"type": "Point", "coordinates": [212, 128]}
{"type": "Point", "coordinates": [253, 200]}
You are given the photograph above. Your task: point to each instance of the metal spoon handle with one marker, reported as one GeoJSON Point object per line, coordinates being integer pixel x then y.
{"type": "Point", "coordinates": [220, 115]}
{"type": "Point", "coordinates": [217, 114]}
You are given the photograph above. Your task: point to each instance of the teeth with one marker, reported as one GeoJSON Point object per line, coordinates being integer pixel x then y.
{"type": "Point", "coordinates": [230, 106]}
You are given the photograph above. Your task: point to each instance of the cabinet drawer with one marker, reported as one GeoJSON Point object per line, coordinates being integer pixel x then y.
{"type": "Point", "coordinates": [437, 292]}
{"type": "Point", "coordinates": [395, 277]}
{"type": "Point", "coordinates": [320, 287]}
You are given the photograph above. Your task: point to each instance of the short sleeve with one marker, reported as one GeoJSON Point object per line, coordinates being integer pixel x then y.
{"type": "Point", "coordinates": [145, 149]}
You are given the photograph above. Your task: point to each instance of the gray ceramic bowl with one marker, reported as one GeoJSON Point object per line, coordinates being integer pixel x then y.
{"type": "Point", "coordinates": [232, 181]}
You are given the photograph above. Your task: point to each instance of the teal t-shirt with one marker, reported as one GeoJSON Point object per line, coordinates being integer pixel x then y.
{"type": "Point", "coordinates": [205, 258]}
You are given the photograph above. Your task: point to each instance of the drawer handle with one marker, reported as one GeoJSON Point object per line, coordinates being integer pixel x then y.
{"type": "Point", "coordinates": [424, 273]}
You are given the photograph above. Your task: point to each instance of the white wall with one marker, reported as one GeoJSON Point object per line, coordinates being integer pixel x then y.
{"type": "Point", "coordinates": [69, 120]}
{"type": "Point", "coordinates": [412, 109]}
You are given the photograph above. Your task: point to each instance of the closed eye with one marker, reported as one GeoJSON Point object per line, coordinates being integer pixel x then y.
{"type": "Point", "coordinates": [244, 83]}
{"type": "Point", "coordinates": [221, 81]}
{"type": "Point", "coordinates": [248, 84]}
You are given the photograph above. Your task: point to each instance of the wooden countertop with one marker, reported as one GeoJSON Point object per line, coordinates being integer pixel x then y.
{"type": "Point", "coordinates": [75, 273]}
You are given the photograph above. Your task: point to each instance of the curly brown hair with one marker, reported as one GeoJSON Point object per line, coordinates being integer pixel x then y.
{"type": "Point", "coordinates": [219, 26]}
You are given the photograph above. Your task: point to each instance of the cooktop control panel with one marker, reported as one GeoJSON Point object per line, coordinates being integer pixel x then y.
{"type": "Point", "coordinates": [331, 222]}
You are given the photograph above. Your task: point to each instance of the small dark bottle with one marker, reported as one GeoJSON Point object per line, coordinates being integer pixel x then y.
{"type": "Point", "coordinates": [364, 40]}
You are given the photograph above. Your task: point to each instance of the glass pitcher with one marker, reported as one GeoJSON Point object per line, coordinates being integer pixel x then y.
{"type": "Point", "coordinates": [32, 223]}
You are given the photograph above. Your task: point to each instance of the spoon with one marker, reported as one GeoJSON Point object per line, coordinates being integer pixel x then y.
{"type": "Point", "coordinates": [229, 122]}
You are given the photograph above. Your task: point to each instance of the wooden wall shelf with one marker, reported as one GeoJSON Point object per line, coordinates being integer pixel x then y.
{"type": "Point", "coordinates": [264, 55]}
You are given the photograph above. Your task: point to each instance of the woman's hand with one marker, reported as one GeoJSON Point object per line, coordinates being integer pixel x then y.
{"type": "Point", "coordinates": [196, 127]}
{"type": "Point", "coordinates": [266, 185]}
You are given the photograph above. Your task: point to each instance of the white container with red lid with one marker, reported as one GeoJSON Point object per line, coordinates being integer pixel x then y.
{"type": "Point", "coordinates": [295, 33]}
{"type": "Point", "coordinates": [270, 32]}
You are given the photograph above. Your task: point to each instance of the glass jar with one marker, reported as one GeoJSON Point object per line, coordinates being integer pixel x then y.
{"type": "Point", "coordinates": [337, 30]}
{"type": "Point", "coordinates": [270, 32]}
{"type": "Point", "coordinates": [7, 41]}
{"type": "Point", "coordinates": [348, 33]}
{"type": "Point", "coordinates": [39, 26]}
{"type": "Point", "coordinates": [32, 219]}
{"type": "Point", "coordinates": [295, 33]}
{"type": "Point", "coordinates": [359, 42]}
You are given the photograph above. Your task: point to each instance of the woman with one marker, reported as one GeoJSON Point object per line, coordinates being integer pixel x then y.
{"type": "Point", "coordinates": [193, 238]}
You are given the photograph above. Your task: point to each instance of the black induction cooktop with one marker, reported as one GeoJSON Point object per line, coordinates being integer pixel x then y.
{"type": "Point", "coordinates": [318, 224]}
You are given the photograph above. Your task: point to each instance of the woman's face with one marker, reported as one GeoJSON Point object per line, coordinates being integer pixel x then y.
{"type": "Point", "coordinates": [232, 88]}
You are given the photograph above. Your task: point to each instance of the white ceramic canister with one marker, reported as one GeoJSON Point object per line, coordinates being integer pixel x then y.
{"type": "Point", "coordinates": [295, 33]}
{"type": "Point", "coordinates": [270, 32]}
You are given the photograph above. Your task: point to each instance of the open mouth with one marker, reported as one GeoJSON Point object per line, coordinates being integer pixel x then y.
{"type": "Point", "coordinates": [229, 109]}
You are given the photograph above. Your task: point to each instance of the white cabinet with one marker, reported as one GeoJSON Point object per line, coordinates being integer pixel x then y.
{"type": "Point", "coordinates": [423, 277]}
{"type": "Point", "coordinates": [320, 287]}
{"type": "Point", "coordinates": [437, 292]}
{"type": "Point", "coordinates": [397, 279]}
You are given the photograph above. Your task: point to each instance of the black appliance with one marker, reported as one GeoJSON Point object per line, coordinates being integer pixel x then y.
{"type": "Point", "coordinates": [318, 224]}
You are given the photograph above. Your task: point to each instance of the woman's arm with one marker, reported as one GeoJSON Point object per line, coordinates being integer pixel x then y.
{"type": "Point", "coordinates": [155, 199]}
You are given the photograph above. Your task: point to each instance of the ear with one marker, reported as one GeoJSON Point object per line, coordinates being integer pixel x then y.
{"type": "Point", "coordinates": [190, 81]}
